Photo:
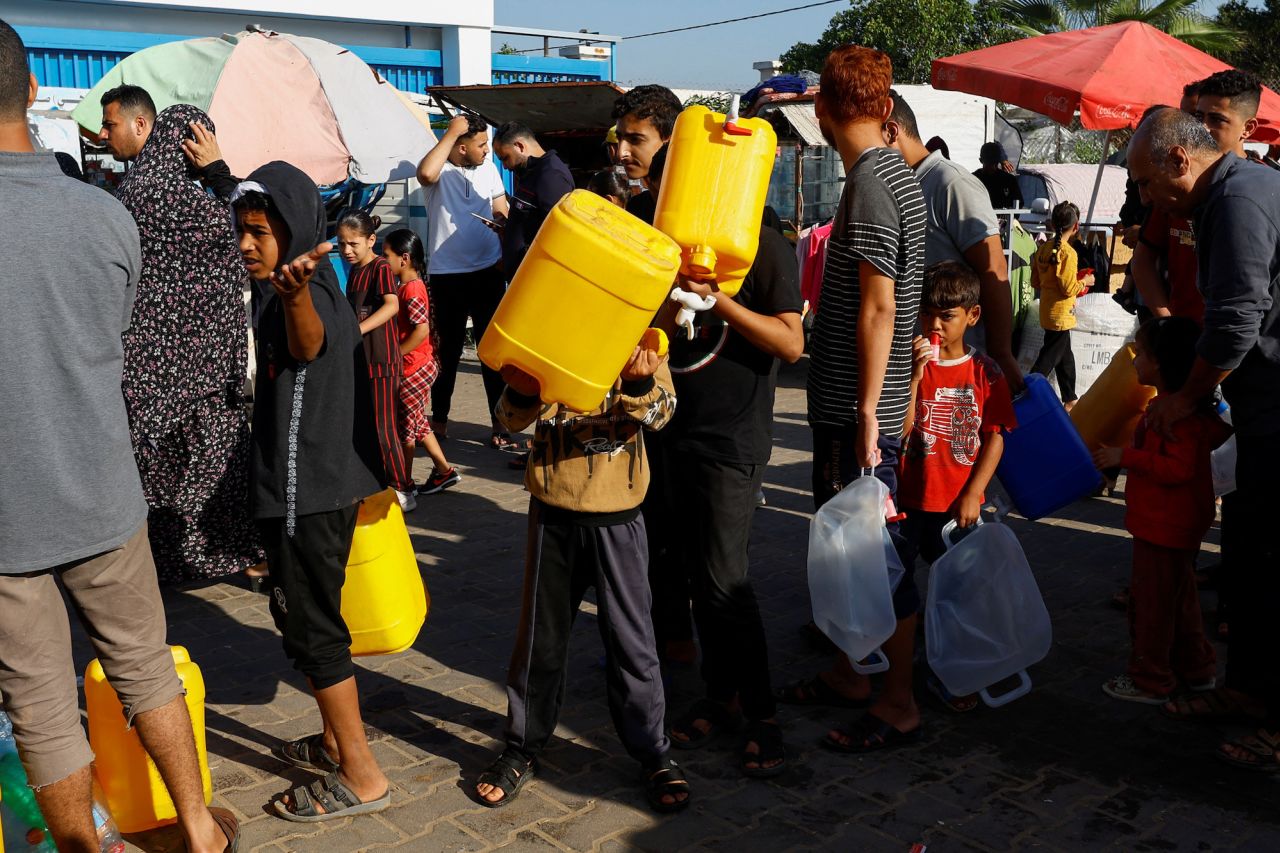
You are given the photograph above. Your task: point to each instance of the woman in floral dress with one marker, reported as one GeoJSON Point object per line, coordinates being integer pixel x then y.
{"type": "Point", "coordinates": [184, 365]}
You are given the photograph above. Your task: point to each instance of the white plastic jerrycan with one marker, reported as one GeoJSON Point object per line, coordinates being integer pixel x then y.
{"type": "Point", "coordinates": [850, 580]}
{"type": "Point", "coordinates": [984, 620]}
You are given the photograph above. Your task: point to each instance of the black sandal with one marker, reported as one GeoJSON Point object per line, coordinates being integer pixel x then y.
{"type": "Point", "coordinates": [1259, 752]}
{"type": "Point", "coordinates": [869, 733]}
{"type": "Point", "coordinates": [330, 794]}
{"type": "Point", "coordinates": [812, 692]}
{"type": "Point", "coordinates": [768, 738]}
{"type": "Point", "coordinates": [664, 778]}
{"type": "Point", "coordinates": [308, 753]}
{"type": "Point", "coordinates": [502, 441]}
{"type": "Point", "coordinates": [508, 773]}
{"type": "Point", "coordinates": [720, 718]}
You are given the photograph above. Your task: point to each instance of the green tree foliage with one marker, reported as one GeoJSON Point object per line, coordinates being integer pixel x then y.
{"type": "Point", "coordinates": [912, 32]}
{"type": "Point", "coordinates": [1260, 33]}
{"type": "Point", "coordinates": [1179, 18]}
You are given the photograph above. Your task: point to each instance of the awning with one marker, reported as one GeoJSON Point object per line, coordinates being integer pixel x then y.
{"type": "Point", "coordinates": [804, 121]}
{"type": "Point", "coordinates": [544, 107]}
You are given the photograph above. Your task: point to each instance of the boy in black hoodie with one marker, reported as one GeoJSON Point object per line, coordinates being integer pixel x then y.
{"type": "Point", "coordinates": [314, 458]}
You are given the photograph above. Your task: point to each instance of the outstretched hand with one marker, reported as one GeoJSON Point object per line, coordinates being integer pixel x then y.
{"type": "Point", "coordinates": [292, 278]}
{"type": "Point", "coordinates": [203, 149]}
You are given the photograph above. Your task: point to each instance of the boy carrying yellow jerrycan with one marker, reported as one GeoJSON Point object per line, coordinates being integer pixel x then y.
{"type": "Point", "coordinates": [384, 601]}
{"type": "Point", "coordinates": [713, 193]}
{"type": "Point", "coordinates": [131, 785]}
{"type": "Point", "coordinates": [584, 294]}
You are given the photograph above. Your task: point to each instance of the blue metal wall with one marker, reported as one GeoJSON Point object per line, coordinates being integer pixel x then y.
{"type": "Point", "coordinates": [79, 59]}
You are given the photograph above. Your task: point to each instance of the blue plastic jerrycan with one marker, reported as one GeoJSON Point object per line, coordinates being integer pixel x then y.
{"type": "Point", "coordinates": [1045, 465]}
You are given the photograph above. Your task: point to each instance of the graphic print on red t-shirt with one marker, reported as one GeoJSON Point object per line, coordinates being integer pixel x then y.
{"type": "Point", "coordinates": [956, 403]}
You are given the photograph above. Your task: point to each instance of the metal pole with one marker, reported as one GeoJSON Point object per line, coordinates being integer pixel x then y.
{"type": "Point", "coordinates": [1097, 181]}
{"type": "Point", "coordinates": [799, 185]}
{"type": "Point", "coordinates": [546, 46]}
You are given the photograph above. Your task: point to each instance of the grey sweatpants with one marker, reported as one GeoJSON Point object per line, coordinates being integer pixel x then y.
{"type": "Point", "coordinates": [563, 559]}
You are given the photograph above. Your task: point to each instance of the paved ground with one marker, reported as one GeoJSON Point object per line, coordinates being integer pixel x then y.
{"type": "Point", "coordinates": [1063, 769]}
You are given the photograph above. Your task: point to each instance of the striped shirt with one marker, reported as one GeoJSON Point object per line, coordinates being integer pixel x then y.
{"type": "Point", "coordinates": [881, 221]}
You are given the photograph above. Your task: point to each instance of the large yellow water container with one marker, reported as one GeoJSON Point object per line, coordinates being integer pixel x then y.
{"type": "Point", "coordinates": [713, 193]}
{"type": "Point", "coordinates": [1111, 409]}
{"type": "Point", "coordinates": [384, 601]}
{"type": "Point", "coordinates": [583, 296]}
{"type": "Point", "coordinates": [131, 785]}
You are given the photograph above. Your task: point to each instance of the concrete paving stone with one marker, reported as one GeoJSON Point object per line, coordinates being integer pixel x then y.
{"type": "Point", "coordinates": [442, 836]}
{"type": "Point", "coordinates": [529, 841]}
{"type": "Point", "coordinates": [601, 819]}
{"type": "Point", "coordinates": [1091, 829]}
{"type": "Point", "coordinates": [994, 824]}
{"type": "Point", "coordinates": [766, 834]}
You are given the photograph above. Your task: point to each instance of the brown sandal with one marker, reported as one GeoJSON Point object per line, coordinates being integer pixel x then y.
{"type": "Point", "coordinates": [230, 827]}
{"type": "Point", "coordinates": [1210, 706]}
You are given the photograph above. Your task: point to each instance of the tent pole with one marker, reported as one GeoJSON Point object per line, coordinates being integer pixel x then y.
{"type": "Point", "coordinates": [1097, 181]}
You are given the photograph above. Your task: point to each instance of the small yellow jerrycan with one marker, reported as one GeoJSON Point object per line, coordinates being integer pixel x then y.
{"type": "Point", "coordinates": [584, 294]}
{"type": "Point", "coordinates": [1110, 410]}
{"type": "Point", "coordinates": [713, 193]}
{"type": "Point", "coordinates": [134, 793]}
{"type": "Point", "coordinates": [384, 601]}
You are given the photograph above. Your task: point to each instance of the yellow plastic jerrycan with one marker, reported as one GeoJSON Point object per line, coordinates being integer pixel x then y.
{"type": "Point", "coordinates": [384, 601]}
{"type": "Point", "coordinates": [584, 294]}
{"type": "Point", "coordinates": [713, 193]}
{"type": "Point", "coordinates": [1110, 410]}
{"type": "Point", "coordinates": [131, 785]}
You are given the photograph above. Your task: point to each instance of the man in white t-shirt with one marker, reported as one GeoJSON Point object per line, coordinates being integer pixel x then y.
{"type": "Point", "coordinates": [466, 280]}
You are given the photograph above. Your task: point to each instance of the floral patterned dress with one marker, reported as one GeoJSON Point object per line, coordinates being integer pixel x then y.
{"type": "Point", "coordinates": [184, 364]}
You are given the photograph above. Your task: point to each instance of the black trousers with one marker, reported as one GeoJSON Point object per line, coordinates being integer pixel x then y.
{"type": "Point", "coordinates": [454, 298]}
{"type": "Point", "coordinates": [562, 559]}
{"type": "Point", "coordinates": [1254, 573]}
{"type": "Point", "coordinates": [1056, 355]}
{"type": "Point", "coordinates": [672, 621]}
{"type": "Point", "coordinates": [308, 570]}
{"type": "Point", "coordinates": [712, 554]}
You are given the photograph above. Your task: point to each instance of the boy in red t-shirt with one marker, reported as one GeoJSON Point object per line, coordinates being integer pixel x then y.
{"type": "Point", "coordinates": [953, 437]}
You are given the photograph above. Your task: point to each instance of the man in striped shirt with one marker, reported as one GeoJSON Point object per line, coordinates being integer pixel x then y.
{"type": "Point", "coordinates": [861, 359]}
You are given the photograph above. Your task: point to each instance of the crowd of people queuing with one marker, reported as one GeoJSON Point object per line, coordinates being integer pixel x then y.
{"type": "Point", "coordinates": [131, 416]}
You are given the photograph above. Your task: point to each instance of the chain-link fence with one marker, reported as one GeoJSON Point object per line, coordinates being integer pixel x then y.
{"type": "Point", "coordinates": [1046, 141]}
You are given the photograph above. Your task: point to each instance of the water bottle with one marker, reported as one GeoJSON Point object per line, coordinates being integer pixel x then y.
{"type": "Point", "coordinates": [109, 838]}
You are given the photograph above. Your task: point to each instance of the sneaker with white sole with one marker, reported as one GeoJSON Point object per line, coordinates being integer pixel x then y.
{"type": "Point", "coordinates": [408, 503]}
{"type": "Point", "coordinates": [1122, 687]}
{"type": "Point", "coordinates": [439, 481]}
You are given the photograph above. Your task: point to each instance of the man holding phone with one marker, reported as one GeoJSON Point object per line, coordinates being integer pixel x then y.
{"type": "Point", "coordinates": [464, 193]}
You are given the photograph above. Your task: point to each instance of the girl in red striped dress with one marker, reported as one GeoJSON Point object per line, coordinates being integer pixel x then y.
{"type": "Point", "coordinates": [403, 252]}
{"type": "Point", "coordinates": [371, 290]}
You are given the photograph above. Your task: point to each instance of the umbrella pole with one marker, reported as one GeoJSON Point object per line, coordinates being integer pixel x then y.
{"type": "Point", "coordinates": [1097, 181]}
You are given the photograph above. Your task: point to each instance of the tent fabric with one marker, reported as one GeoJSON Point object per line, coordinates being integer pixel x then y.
{"type": "Point", "coordinates": [1109, 74]}
{"type": "Point", "coordinates": [287, 118]}
{"type": "Point", "coordinates": [378, 149]}
{"type": "Point", "coordinates": [179, 72]}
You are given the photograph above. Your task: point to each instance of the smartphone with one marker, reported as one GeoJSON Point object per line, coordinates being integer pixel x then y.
{"type": "Point", "coordinates": [488, 222]}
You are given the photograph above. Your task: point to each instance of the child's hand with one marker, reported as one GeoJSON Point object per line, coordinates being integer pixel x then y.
{"type": "Point", "coordinates": [967, 509]}
{"type": "Point", "coordinates": [642, 364]}
{"type": "Point", "coordinates": [293, 278]}
{"type": "Point", "coordinates": [1107, 457]}
{"type": "Point", "coordinates": [922, 355]}
{"type": "Point", "coordinates": [519, 381]}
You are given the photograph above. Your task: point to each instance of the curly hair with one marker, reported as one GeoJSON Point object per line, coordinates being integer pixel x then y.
{"type": "Point", "coordinates": [656, 103]}
{"type": "Point", "coordinates": [855, 83]}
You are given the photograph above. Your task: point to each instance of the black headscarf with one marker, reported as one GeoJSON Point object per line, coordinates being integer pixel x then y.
{"type": "Point", "coordinates": [188, 336]}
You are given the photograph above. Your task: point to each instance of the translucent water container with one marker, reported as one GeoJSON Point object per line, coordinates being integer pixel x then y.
{"type": "Point", "coordinates": [713, 193]}
{"type": "Point", "coordinates": [984, 618]}
{"type": "Point", "coordinates": [583, 296]}
{"type": "Point", "coordinates": [384, 601]}
{"type": "Point", "coordinates": [849, 579]}
{"type": "Point", "coordinates": [1111, 409]}
{"type": "Point", "coordinates": [1045, 464]}
{"type": "Point", "coordinates": [132, 789]}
